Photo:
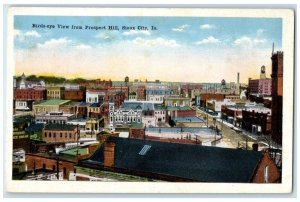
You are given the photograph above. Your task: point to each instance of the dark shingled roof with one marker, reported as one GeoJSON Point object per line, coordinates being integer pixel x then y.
{"type": "Point", "coordinates": [184, 161]}
{"type": "Point", "coordinates": [35, 127]}
{"type": "Point", "coordinates": [66, 127]}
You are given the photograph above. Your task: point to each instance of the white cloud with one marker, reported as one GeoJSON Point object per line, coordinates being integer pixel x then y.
{"type": "Point", "coordinates": [103, 35]}
{"type": "Point", "coordinates": [134, 32]}
{"type": "Point", "coordinates": [22, 35]}
{"type": "Point", "coordinates": [32, 33]}
{"type": "Point", "coordinates": [208, 40]}
{"type": "Point", "coordinates": [259, 32]}
{"type": "Point", "coordinates": [247, 42]}
{"type": "Point", "coordinates": [82, 47]}
{"type": "Point", "coordinates": [54, 43]}
{"type": "Point", "coordinates": [243, 41]}
{"type": "Point", "coordinates": [207, 26]}
{"type": "Point", "coordinates": [17, 32]}
{"type": "Point", "coordinates": [156, 42]}
{"type": "Point", "coordinates": [181, 28]}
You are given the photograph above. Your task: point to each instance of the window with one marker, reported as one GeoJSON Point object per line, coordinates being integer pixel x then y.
{"type": "Point", "coordinates": [66, 135]}
{"type": "Point", "coordinates": [60, 135]}
{"type": "Point", "coordinates": [70, 135]}
{"type": "Point", "coordinates": [53, 167]}
{"type": "Point", "coordinates": [266, 174]}
{"type": "Point", "coordinates": [144, 150]}
{"type": "Point", "coordinates": [49, 134]}
{"type": "Point", "coordinates": [45, 134]}
{"type": "Point", "coordinates": [54, 135]}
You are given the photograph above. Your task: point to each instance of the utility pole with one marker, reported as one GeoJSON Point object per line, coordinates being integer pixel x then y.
{"type": "Point", "coordinates": [57, 168]}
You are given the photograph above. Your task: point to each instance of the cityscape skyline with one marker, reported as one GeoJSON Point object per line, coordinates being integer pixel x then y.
{"type": "Point", "coordinates": [181, 46]}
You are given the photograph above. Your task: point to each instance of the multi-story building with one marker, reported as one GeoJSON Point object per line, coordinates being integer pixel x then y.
{"type": "Point", "coordinates": [117, 89]}
{"type": "Point", "coordinates": [53, 117]}
{"type": "Point", "coordinates": [25, 96]}
{"type": "Point", "coordinates": [118, 97]}
{"type": "Point", "coordinates": [61, 133]}
{"type": "Point", "coordinates": [30, 94]}
{"type": "Point", "coordinates": [186, 89]}
{"type": "Point", "coordinates": [257, 121]}
{"type": "Point", "coordinates": [260, 86]}
{"type": "Point", "coordinates": [48, 106]}
{"type": "Point", "coordinates": [209, 96]}
{"type": "Point", "coordinates": [160, 114]}
{"type": "Point", "coordinates": [277, 82]}
{"type": "Point", "coordinates": [55, 92]}
{"type": "Point", "coordinates": [137, 92]}
{"type": "Point", "coordinates": [128, 113]}
{"type": "Point", "coordinates": [215, 105]}
{"type": "Point", "coordinates": [75, 94]}
{"type": "Point", "coordinates": [177, 101]}
{"type": "Point", "coordinates": [96, 96]}
{"type": "Point", "coordinates": [156, 91]}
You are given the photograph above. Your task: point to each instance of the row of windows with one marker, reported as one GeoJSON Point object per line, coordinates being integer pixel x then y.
{"type": "Point", "coordinates": [53, 92]}
{"type": "Point", "coordinates": [50, 121]}
{"type": "Point", "coordinates": [130, 119]}
{"type": "Point", "coordinates": [61, 135]}
{"type": "Point", "coordinates": [21, 104]}
{"type": "Point", "coordinates": [160, 112]}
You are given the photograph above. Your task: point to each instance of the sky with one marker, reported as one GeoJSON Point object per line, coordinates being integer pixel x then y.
{"type": "Point", "coordinates": [181, 49]}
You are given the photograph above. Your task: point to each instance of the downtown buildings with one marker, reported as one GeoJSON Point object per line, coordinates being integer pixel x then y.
{"type": "Point", "coordinates": [71, 126]}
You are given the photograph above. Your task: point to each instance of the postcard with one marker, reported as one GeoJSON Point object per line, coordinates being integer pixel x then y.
{"type": "Point", "coordinates": [149, 100]}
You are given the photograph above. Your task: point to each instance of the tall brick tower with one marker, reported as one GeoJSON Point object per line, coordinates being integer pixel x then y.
{"type": "Point", "coordinates": [277, 72]}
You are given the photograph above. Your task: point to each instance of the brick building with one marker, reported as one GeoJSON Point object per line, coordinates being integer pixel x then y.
{"type": "Point", "coordinates": [257, 122]}
{"type": "Point", "coordinates": [61, 133]}
{"type": "Point", "coordinates": [140, 92]}
{"type": "Point", "coordinates": [30, 94]}
{"type": "Point", "coordinates": [98, 83]}
{"type": "Point", "coordinates": [114, 90]}
{"type": "Point", "coordinates": [128, 158]}
{"type": "Point", "coordinates": [187, 89]}
{"type": "Point", "coordinates": [207, 96]}
{"type": "Point", "coordinates": [260, 86]}
{"type": "Point", "coordinates": [37, 161]}
{"type": "Point", "coordinates": [118, 97]}
{"type": "Point", "coordinates": [277, 79]}
{"type": "Point", "coordinates": [75, 94]}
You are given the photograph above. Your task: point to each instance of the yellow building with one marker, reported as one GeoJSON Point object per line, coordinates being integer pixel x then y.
{"type": "Point", "coordinates": [48, 106]}
{"type": "Point", "coordinates": [177, 101]}
{"type": "Point", "coordinates": [55, 92]}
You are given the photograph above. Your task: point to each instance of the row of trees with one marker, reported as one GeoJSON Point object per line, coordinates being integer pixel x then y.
{"type": "Point", "coordinates": [53, 79]}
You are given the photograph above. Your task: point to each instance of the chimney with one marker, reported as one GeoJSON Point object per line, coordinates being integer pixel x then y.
{"type": "Point", "coordinates": [109, 154]}
{"type": "Point", "coordinates": [255, 147]}
{"type": "Point", "coordinates": [238, 78]}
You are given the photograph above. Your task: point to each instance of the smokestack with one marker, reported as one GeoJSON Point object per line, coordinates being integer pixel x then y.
{"type": "Point", "coordinates": [238, 78]}
{"type": "Point", "coordinates": [109, 154]}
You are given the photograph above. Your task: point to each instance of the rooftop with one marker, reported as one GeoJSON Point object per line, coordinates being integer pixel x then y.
{"type": "Point", "coordinates": [180, 161]}
{"type": "Point", "coordinates": [188, 119]}
{"type": "Point", "coordinates": [75, 151]}
{"type": "Point", "coordinates": [66, 127]}
{"type": "Point", "coordinates": [51, 102]}
{"type": "Point", "coordinates": [171, 108]}
{"type": "Point", "coordinates": [35, 127]}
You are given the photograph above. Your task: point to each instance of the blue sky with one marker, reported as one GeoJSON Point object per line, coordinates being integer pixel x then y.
{"type": "Point", "coordinates": [213, 44]}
